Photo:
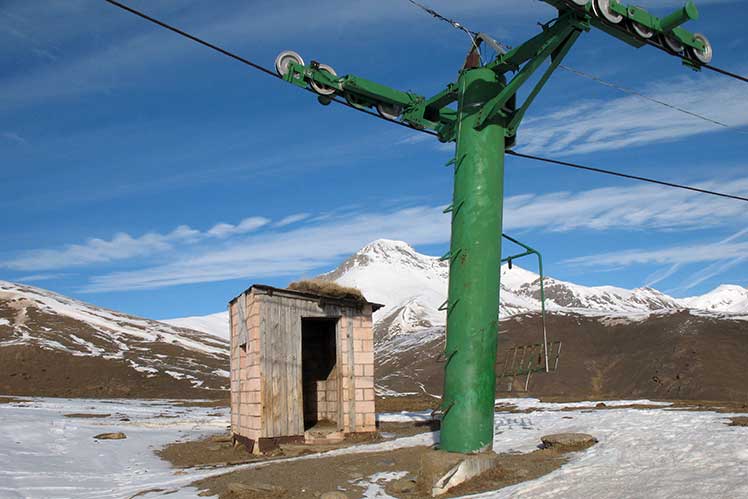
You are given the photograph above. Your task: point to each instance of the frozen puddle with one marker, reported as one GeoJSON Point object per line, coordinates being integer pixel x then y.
{"type": "Point", "coordinates": [651, 453]}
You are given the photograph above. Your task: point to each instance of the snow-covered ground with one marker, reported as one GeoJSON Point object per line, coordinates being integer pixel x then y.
{"type": "Point", "coordinates": [653, 453]}
{"type": "Point", "coordinates": [44, 454]}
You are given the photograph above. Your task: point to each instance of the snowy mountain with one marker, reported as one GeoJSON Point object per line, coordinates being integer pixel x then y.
{"type": "Point", "coordinates": [726, 298]}
{"type": "Point", "coordinates": [216, 324]}
{"type": "Point", "coordinates": [413, 286]}
{"type": "Point", "coordinates": [52, 343]}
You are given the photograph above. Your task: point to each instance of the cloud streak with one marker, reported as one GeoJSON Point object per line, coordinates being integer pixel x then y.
{"type": "Point", "coordinates": [123, 246]}
{"type": "Point", "coordinates": [289, 247]}
{"type": "Point", "coordinates": [610, 124]}
{"type": "Point", "coordinates": [325, 241]}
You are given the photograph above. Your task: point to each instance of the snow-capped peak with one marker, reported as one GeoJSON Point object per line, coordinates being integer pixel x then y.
{"type": "Point", "coordinates": [729, 298]}
{"type": "Point", "coordinates": [413, 287]}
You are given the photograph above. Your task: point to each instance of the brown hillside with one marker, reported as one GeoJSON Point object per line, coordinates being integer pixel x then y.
{"type": "Point", "coordinates": [673, 356]}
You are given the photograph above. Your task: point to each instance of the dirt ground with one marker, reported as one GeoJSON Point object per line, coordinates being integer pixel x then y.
{"type": "Point", "coordinates": [739, 421]}
{"type": "Point", "coordinates": [9, 400]}
{"type": "Point", "coordinates": [349, 474]}
{"type": "Point", "coordinates": [421, 402]}
{"type": "Point", "coordinates": [218, 450]}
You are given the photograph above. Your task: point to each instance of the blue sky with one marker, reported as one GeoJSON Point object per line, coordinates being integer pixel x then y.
{"type": "Point", "coordinates": [145, 173]}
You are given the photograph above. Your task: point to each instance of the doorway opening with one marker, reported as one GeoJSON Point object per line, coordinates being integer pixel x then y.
{"type": "Point", "coordinates": [319, 373]}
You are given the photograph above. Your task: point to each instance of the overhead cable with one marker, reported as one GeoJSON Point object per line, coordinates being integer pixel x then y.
{"type": "Point", "coordinates": [406, 125]}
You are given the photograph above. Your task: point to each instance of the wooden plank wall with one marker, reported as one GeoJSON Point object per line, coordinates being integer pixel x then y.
{"type": "Point", "coordinates": [280, 360]}
{"type": "Point", "coordinates": [278, 340]}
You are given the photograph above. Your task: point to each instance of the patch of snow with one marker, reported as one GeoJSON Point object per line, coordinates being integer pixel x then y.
{"type": "Point", "coordinates": [4, 322]}
{"type": "Point", "coordinates": [404, 416]}
{"type": "Point", "coordinates": [374, 484]}
{"type": "Point", "coordinates": [215, 324]}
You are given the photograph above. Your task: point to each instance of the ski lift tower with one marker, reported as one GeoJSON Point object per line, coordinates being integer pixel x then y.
{"type": "Point", "coordinates": [483, 126]}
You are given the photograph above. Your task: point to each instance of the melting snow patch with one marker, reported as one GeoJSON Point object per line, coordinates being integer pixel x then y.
{"type": "Point", "coordinates": [374, 484]}
{"type": "Point", "coordinates": [404, 416]}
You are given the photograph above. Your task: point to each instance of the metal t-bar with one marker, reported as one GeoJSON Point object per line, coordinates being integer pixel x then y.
{"type": "Point", "coordinates": [531, 251]}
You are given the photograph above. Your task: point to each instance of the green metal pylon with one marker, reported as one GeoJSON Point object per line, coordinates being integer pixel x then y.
{"type": "Point", "coordinates": [472, 313]}
{"type": "Point", "coordinates": [486, 122]}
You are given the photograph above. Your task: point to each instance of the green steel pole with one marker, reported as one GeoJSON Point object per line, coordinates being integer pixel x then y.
{"type": "Point", "coordinates": [475, 254]}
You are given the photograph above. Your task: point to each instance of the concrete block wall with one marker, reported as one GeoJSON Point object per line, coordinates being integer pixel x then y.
{"type": "Point", "coordinates": [327, 397]}
{"type": "Point", "coordinates": [246, 380]}
{"type": "Point", "coordinates": [358, 387]}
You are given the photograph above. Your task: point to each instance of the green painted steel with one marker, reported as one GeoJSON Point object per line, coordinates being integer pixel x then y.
{"type": "Point", "coordinates": [475, 254]}
{"type": "Point", "coordinates": [484, 124]}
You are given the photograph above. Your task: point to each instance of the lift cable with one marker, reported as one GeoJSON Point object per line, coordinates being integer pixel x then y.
{"type": "Point", "coordinates": [646, 97]}
{"type": "Point", "coordinates": [455, 24]}
{"type": "Point", "coordinates": [726, 73]}
{"type": "Point", "coordinates": [429, 132]}
{"type": "Point", "coordinates": [597, 79]}
{"type": "Point", "coordinates": [626, 175]}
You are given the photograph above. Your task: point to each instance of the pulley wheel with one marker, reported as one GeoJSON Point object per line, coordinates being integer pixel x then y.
{"type": "Point", "coordinates": [642, 31]}
{"type": "Point", "coordinates": [581, 3]}
{"type": "Point", "coordinates": [389, 111]}
{"type": "Point", "coordinates": [603, 8]}
{"type": "Point", "coordinates": [673, 44]}
{"type": "Point", "coordinates": [323, 89]}
{"type": "Point", "coordinates": [353, 101]}
{"type": "Point", "coordinates": [703, 56]}
{"type": "Point", "coordinates": [284, 60]}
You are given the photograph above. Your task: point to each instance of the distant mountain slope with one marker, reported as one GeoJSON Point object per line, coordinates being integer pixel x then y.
{"type": "Point", "coordinates": [674, 355]}
{"type": "Point", "coordinates": [54, 345]}
{"type": "Point", "coordinates": [216, 324]}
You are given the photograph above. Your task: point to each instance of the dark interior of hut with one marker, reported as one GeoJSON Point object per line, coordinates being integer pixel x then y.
{"type": "Point", "coordinates": [318, 362]}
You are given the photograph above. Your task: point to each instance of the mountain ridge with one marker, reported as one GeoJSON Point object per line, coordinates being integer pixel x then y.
{"type": "Point", "coordinates": [413, 286]}
{"type": "Point", "coordinates": [58, 346]}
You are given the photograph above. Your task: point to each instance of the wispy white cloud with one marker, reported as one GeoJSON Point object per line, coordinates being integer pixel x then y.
{"type": "Point", "coordinates": [311, 247]}
{"type": "Point", "coordinates": [40, 277]}
{"type": "Point", "coordinates": [730, 250]}
{"type": "Point", "coordinates": [124, 246]}
{"type": "Point", "coordinates": [291, 219]}
{"type": "Point", "coordinates": [322, 240]}
{"type": "Point", "coordinates": [629, 207]}
{"type": "Point", "coordinates": [713, 270]}
{"type": "Point", "coordinates": [286, 253]}
{"type": "Point", "coordinates": [662, 274]}
{"type": "Point", "coordinates": [599, 125]}
{"type": "Point", "coordinates": [224, 230]}
{"type": "Point", "coordinates": [13, 137]}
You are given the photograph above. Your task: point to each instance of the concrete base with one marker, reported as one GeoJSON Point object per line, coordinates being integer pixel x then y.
{"type": "Point", "coordinates": [441, 471]}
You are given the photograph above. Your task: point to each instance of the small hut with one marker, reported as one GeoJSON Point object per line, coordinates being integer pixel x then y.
{"type": "Point", "coordinates": [302, 365]}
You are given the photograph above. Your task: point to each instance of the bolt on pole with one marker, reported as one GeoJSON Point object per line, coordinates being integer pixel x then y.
{"type": "Point", "coordinates": [475, 255]}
